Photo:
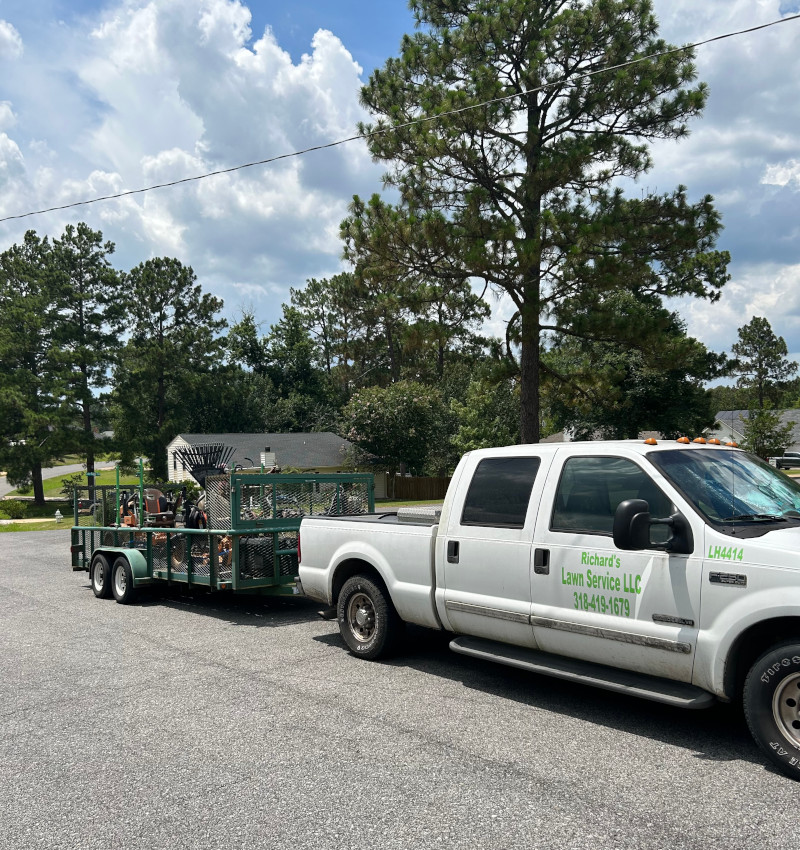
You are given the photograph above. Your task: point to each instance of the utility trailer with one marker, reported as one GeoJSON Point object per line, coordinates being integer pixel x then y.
{"type": "Point", "coordinates": [248, 545]}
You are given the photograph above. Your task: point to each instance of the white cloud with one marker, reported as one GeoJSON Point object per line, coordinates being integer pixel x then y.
{"type": "Point", "coordinates": [781, 174]}
{"type": "Point", "coordinates": [10, 41]}
{"type": "Point", "coordinates": [7, 117]}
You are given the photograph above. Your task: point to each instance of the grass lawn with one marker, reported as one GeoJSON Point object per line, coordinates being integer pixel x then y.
{"type": "Point", "coordinates": [52, 486]}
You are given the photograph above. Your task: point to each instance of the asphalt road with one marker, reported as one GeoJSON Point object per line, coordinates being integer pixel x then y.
{"type": "Point", "coordinates": [221, 722]}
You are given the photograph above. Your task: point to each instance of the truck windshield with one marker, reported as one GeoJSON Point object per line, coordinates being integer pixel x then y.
{"type": "Point", "coordinates": [731, 486]}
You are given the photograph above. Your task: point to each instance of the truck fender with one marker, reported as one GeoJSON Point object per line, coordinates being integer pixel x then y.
{"type": "Point", "coordinates": [411, 601]}
{"type": "Point", "coordinates": [716, 640]}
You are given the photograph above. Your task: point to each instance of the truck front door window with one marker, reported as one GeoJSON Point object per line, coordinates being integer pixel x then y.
{"type": "Point", "coordinates": [591, 488]}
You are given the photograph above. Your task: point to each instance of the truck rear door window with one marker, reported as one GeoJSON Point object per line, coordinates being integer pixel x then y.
{"type": "Point", "coordinates": [591, 488]}
{"type": "Point", "coordinates": [499, 492]}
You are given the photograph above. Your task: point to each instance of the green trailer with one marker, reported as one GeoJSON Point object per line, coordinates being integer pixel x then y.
{"type": "Point", "coordinates": [248, 545]}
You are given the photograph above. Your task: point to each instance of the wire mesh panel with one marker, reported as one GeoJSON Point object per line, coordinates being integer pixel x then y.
{"type": "Point", "coordinates": [202, 556]}
{"type": "Point", "coordinates": [218, 501]}
{"type": "Point", "coordinates": [259, 558]}
{"type": "Point", "coordinates": [95, 505]}
{"type": "Point", "coordinates": [263, 499]}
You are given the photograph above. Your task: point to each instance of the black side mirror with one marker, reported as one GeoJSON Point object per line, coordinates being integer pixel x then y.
{"type": "Point", "coordinates": [632, 523]}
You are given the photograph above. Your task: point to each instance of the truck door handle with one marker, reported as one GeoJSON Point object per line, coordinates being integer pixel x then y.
{"type": "Point", "coordinates": [541, 562]}
{"type": "Point", "coordinates": [452, 551]}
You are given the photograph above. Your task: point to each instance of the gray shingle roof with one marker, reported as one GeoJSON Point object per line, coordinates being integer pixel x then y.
{"type": "Point", "coordinates": [736, 419]}
{"type": "Point", "coordinates": [302, 451]}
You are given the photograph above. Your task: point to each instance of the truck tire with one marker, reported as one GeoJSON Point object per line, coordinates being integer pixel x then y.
{"type": "Point", "coordinates": [367, 619]}
{"type": "Point", "coordinates": [772, 706]}
{"type": "Point", "coordinates": [100, 577]}
{"type": "Point", "coordinates": [122, 581]}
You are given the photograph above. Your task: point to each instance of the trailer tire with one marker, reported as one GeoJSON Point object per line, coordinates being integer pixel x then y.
{"type": "Point", "coordinates": [367, 619]}
{"type": "Point", "coordinates": [100, 577]}
{"type": "Point", "coordinates": [772, 706]}
{"type": "Point", "coordinates": [122, 581]}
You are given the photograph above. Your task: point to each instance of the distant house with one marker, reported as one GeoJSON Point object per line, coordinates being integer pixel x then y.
{"type": "Point", "coordinates": [312, 452]}
{"type": "Point", "coordinates": [730, 425]}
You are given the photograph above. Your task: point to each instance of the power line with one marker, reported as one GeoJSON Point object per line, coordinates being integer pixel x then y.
{"type": "Point", "coordinates": [394, 127]}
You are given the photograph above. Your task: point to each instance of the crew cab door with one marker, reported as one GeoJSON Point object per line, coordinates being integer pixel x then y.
{"type": "Point", "coordinates": [484, 554]}
{"type": "Point", "coordinates": [636, 610]}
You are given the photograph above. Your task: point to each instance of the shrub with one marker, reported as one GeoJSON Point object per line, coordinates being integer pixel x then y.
{"type": "Point", "coordinates": [14, 509]}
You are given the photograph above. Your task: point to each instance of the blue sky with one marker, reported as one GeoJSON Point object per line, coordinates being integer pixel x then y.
{"type": "Point", "coordinates": [98, 97]}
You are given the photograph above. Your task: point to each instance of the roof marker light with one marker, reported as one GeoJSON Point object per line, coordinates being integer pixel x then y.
{"type": "Point", "coordinates": [683, 439]}
{"type": "Point", "coordinates": [732, 444]}
{"type": "Point", "coordinates": [701, 440]}
{"type": "Point", "coordinates": [714, 442]}
{"type": "Point", "coordinates": [651, 441]}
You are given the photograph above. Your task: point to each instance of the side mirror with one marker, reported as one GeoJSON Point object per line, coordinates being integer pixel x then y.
{"type": "Point", "coordinates": [631, 531]}
{"type": "Point", "coordinates": [632, 525]}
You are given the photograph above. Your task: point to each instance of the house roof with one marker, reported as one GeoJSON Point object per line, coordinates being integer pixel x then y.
{"type": "Point", "coordinates": [302, 451]}
{"type": "Point", "coordinates": [736, 420]}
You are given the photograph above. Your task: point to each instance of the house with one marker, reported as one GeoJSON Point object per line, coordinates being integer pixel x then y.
{"type": "Point", "coordinates": [310, 452]}
{"type": "Point", "coordinates": [730, 425]}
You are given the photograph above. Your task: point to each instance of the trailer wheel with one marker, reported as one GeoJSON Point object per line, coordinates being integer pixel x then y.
{"type": "Point", "coordinates": [122, 581]}
{"type": "Point", "coordinates": [367, 619]}
{"type": "Point", "coordinates": [100, 577]}
{"type": "Point", "coordinates": [772, 706]}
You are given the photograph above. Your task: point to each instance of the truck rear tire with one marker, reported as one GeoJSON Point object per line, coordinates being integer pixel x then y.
{"type": "Point", "coordinates": [122, 581]}
{"type": "Point", "coordinates": [368, 622]}
{"type": "Point", "coordinates": [772, 706]}
{"type": "Point", "coordinates": [100, 577]}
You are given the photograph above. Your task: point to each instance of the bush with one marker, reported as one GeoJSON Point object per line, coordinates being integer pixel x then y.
{"type": "Point", "coordinates": [4, 515]}
{"type": "Point", "coordinates": [67, 484]}
{"type": "Point", "coordinates": [14, 509]}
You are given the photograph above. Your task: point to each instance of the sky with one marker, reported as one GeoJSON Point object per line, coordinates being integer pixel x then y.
{"type": "Point", "coordinates": [101, 96]}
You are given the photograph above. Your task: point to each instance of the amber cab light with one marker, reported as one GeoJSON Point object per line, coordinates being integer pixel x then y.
{"type": "Point", "coordinates": [699, 440]}
{"type": "Point", "coordinates": [683, 439]}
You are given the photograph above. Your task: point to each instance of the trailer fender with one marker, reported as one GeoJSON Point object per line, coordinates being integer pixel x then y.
{"type": "Point", "coordinates": [136, 559]}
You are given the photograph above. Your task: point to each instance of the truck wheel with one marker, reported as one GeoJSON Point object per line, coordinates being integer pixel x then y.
{"type": "Point", "coordinates": [367, 619]}
{"type": "Point", "coordinates": [100, 577]}
{"type": "Point", "coordinates": [772, 706]}
{"type": "Point", "coordinates": [122, 581]}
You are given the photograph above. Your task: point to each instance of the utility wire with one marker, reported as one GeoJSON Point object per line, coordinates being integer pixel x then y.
{"type": "Point", "coordinates": [392, 128]}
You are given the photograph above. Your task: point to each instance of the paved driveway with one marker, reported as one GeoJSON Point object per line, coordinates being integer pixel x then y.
{"type": "Point", "coordinates": [222, 722]}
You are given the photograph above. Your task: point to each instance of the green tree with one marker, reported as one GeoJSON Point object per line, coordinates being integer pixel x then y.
{"type": "Point", "coordinates": [517, 189]}
{"type": "Point", "coordinates": [488, 416]}
{"type": "Point", "coordinates": [33, 412]}
{"type": "Point", "coordinates": [761, 360]}
{"type": "Point", "coordinates": [173, 351]}
{"type": "Point", "coordinates": [594, 386]}
{"type": "Point", "coordinates": [764, 434]}
{"type": "Point", "coordinates": [397, 425]}
{"type": "Point", "coordinates": [91, 310]}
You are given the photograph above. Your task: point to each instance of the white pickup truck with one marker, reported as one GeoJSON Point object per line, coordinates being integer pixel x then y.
{"type": "Point", "coordinates": [670, 571]}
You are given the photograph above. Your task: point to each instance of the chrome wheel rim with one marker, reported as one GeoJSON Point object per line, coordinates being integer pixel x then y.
{"type": "Point", "coordinates": [361, 617]}
{"type": "Point", "coordinates": [786, 708]}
